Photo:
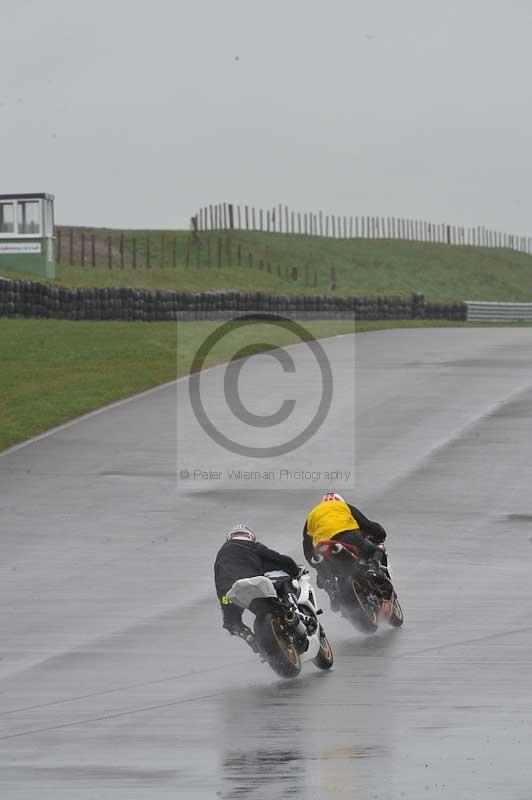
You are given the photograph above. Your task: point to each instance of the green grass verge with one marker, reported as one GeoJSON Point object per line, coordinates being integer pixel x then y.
{"type": "Point", "coordinates": [54, 370]}
{"type": "Point", "coordinates": [363, 267]}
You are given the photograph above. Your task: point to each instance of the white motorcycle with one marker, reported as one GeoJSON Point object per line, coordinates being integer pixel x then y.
{"type": "Point", "coordinates": [286, 628]}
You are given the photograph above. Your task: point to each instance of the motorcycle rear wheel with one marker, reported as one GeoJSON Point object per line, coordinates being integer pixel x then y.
{"type": "Point", "coordinates": [325, 658]}
{"type": "Point", "coordinates": [364, 615]}
{"type": "Point", "coordinates": [281, 655]}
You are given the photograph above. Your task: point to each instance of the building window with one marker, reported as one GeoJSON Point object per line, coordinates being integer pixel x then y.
{"type": "Point", "coordinates": [7, 218]}
{"type": "Point", "coordinates": [28, 216]}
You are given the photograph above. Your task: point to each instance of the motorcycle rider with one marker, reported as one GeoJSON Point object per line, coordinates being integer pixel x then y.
{"type": "Point", "coordinates": [241, 556]}
{"type": "Point", "coordinates": [334, 518]}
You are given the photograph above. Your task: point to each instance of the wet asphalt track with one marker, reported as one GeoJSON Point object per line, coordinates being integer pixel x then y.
{"type": "Point", "coordinates": [116, 680]}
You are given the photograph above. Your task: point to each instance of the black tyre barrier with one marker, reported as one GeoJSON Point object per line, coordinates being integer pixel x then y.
{"type": "Point", "coordinates": [32, 299]}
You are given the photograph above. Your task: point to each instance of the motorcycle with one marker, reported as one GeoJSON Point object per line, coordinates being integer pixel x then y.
{"type": "Point", "coordinates": [364, 597]}
{"type": "Point", "coordinates": [286, 627]}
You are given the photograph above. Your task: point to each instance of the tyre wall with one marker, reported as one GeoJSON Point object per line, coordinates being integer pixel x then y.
{"type": "Point", "coordinates": [33, 299]}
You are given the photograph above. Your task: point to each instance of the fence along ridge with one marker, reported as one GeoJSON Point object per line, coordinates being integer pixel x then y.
{"type": "Point", "coordinates": [114, 249]}
{"type": "Point", "coordinates": [282, 219]}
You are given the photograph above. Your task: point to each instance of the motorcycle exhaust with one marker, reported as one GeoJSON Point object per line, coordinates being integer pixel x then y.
{"type": "Point", "coordinates": [297, 626]}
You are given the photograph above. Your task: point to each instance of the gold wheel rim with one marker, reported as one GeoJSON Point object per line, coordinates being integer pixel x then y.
{"type": "Point", "coordinates": [396, 609]}
{"type": "Point", "coordinates": [289, 649]}
{"type": "Point", "coordinates": [325, 647]}
{"type": "Point", "coordinates": [371, 615]}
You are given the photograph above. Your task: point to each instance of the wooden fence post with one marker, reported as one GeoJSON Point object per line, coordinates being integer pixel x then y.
{"type": "Point", "coordinates": [286, 226]}
{"type": "Point", "coordinates": [350, 227]}
{"type": "Point", "coordinates": [93, 250]}
{"type": "Point", "coordinates": [229, 251]}
{"type": "Point", "coordinates": [333, 222]}
{"type": "Point", "coordinates": [231, 216]}
{"type": "Point", "coordinates": [82, 249]}
{"type": "Point", "coordinates": [211, 217]}
{"type": "Point", "coordinates": [71, 246]}
{"type": "Point", "coordinates": [292, 222]}
{"type": "Point", "coordinates": [239, 219]}
{"type": "Point", "coordinates": [246, 217]}
{"type": "Point", "coordinates": [260, 219]}
{"type": "Point", "coordinates": [299, 222]}
{"type": "Point", "coordinates": [327, 226]}
{"type": "Point", "coordinates": [268, 220]}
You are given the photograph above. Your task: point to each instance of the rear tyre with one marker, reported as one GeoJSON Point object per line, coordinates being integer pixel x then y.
{"type": "Point", "coordinates": [396, 618]}
{"type": "Point", "coordinates": [364, 614]}
{"type": "Point", "coordinates": [281, 655]}
{"type": "Point", "coordinates": [324, 659]}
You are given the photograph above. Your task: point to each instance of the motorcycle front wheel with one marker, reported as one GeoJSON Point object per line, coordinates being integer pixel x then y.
{"type": "Point", "coordinates": [324, 659]}
{"type": "Point", "coordinates": [396, 618]}
{"type": "Point", "coordinates": [281, 655]}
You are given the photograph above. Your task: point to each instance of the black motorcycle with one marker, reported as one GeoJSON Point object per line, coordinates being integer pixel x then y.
{"type": "Point", "coordinates": [363, 596]}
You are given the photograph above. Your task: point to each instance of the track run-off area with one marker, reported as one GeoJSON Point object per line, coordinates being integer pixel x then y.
{"type": "Point", "coordinates": [116, 679]}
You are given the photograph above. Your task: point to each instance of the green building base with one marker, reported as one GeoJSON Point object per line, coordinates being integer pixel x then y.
{"type": "Point", "coordinates": [35, 256]}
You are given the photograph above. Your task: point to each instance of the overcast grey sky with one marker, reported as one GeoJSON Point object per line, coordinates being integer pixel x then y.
{"type": "Point", "coordinates": [135, 113]}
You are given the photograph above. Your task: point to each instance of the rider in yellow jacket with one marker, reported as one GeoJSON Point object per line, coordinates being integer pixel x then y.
{"type": "Point", "coordinates": [334, 518]}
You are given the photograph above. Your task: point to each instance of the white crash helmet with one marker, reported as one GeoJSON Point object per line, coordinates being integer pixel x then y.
{"type": "Point", "coordinates": [241, 532]}
{"type": "Point", "coordinates": [332, 496]}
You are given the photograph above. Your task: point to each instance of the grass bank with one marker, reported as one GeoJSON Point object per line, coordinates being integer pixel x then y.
{"type": "Point", "coordinates": [362, 267]}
